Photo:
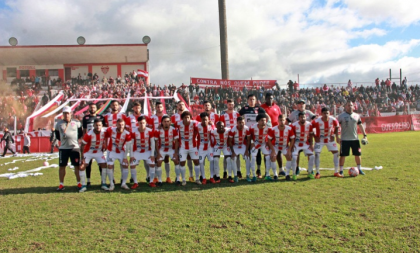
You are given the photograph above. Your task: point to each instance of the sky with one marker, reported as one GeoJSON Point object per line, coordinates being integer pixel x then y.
{"type": "Point", "coordinates": [322, 41]}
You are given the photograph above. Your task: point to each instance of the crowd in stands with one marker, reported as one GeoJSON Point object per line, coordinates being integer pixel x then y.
{"type": "Point", "coordinates": [372, 100]}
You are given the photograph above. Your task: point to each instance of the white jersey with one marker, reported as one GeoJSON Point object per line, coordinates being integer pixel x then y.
{"type": "Point", "coordinates": [219, 140]}
{"type": "Point", "coordinates": [258, 135]}
{"type": "Point", "coordinates": [188, 135]}
{"type": "Point", "coordinates": [229, 119]}
{"type": "Point", "coordinates": [239, 137]}
{"type": "Point", "coordinates": [204, 136]}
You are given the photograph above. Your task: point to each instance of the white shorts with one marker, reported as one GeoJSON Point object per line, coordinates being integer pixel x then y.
{"type": "Point", "coordinates": [264, 149]}
{"type": "Point", "coordinates": [141, 157]}
{"type": "Point", "coordinates": [99, 157]}
{"type": "Point", "coordinates": [304, 148]}
{"type": "Point", "coordinates": [202, 154]}
{"type": "Point", "coordinates": [183, 153]}
{"type": "Point", "coordinates": [113, 157]}
{"type": "Point", "coordinates": [129, 147]}
{"type": "Point", "coordinates": [169, 153]}
{"type": "Point", "coordinates": [282, 149]}
{"type": "Point", "coordinates": [218, 150]}
{"type": "Point", "coordinates": [331, 146]}
{"type": "Point", "coordinates": [239, 149]}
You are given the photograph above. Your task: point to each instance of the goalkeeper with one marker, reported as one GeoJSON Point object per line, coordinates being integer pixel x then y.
{"type": "Point", "coordinates": [349, 121]}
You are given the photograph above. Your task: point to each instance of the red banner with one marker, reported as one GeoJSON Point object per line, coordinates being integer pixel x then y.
{"type": "Point", "coordinates": [207, 82]}
{"type": "Point", "coordinates": [389, 124]}
{"type": "Point", "coordinates": [196, 110]}
{"type": "Point", "coordinates": [415, 121]}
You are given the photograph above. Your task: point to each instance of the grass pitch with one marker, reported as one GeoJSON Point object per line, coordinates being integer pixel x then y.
{"type": "Point", "coordinates": [373, 213]}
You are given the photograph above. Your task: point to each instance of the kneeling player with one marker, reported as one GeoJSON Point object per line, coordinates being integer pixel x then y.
{"type": "Point", "coordinates": [204, 151]}
{"type": "Point", "coordinates": [283, 138]}
{"type": "Point", "coordinates": [143, 150]}
{"type": "Point", "coordinates": [167, 146]}
{"type": "Point", "coordinates": [93, 148]}
{"type": "Point", "coordinates": [304, 141]}
{"type": "Point", "coordinates": [219, 137]}
{"type": "Point", "coordinates": [325, 127]}
{"type": "Point", "coordinates": [237, 141]}
{"type": "Point", "coordinates": [257, 142]}
{"type": "Point", "coordinates": [117, 137]}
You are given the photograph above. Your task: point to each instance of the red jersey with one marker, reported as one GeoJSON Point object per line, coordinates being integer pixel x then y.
{"type": "Point", "coordinates": [176, 118]}
{"type": "Point", "coordinates": [229, 119]}
{"type": "Point", "coordinates": [132, 123]}
{"type": "Point", "coordinates": [142, 140]}
{"type": "Point", "coordinates": [155, 121]}
{"type": "Point", "coordinates": [258, 135]}
{"type": "Point", "coordinates": [117, 140]}
{"type": "Point", "coordinates": [188, 135]}
{"type": "Point", "coordinates": [239, 137]}
{"type": "Point", "coordinates": [325, 129]}
{"type": "Point", "coordinates": [166, 138]}
{"type": "Point", "coordinates": [302, 132]}
{"type": "Point", "coordinates": [93, 141]}
{"type": "Point", "coordinates": [204, 136]}
{"type": "Point", "coordinates": [281, 137]}
{"type": "Point", "coordinates": [111, 119]}
{"type": "Point", "coordinates": [213, 117]}
{"type": "Point", "coordinates": [274, 112]}
{"type": "Point", "coordinates": [219, 140]}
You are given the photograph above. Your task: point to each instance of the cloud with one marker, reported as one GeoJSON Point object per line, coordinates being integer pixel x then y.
{"type": "Point", "coordinates": [267, 40]}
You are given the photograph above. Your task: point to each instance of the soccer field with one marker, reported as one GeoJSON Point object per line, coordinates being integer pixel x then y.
{"type": "Point", "coordinates": [377, 212]}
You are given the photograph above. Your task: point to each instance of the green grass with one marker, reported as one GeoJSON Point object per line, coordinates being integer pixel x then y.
{"type": "Point", "coordinates": [378, 212]}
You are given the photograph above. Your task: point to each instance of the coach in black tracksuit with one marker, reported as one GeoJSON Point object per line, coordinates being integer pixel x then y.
{"type": "Point", "coordinates": [9, 139]}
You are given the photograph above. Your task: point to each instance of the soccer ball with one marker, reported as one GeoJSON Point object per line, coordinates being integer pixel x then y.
{"type": "Point", "coordinates": [353, 172]}
{"type": "Point", "coordinates": [46, 163]}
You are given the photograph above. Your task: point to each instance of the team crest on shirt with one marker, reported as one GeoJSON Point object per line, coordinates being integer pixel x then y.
{"type": "Point", "coordinates": [256, 111]}
{"type": "Point", "coordinates": [76, 160]}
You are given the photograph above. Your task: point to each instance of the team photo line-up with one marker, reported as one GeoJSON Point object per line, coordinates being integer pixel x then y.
{"type": "Point", "coordinates": [253, 132]}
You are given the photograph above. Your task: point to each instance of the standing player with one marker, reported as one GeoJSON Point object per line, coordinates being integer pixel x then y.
{"type": "Point", "coordinates": [167, 146]}
{"type": "Point", "coordinates": [294, 117]}
{"type": "Point", "coordinates": [131, 123]}
{"type": "Point", "coordinates": [143, 150]}
{"type": "Point", "coordinates": [68, 131]}
{"type": "Point", "coordinates": [237, 142]}
{"type": "Point", "coordinates": [325, 127]}
{"type": "Point", "coordinates": [156, 119]}
{"type": "Point", "coordinates": [188, 138]}
{"type": "Point", "coordinates": [349, 121]}
{"type": "Point", "coordinates": [219, 137]}
{"type": "Point", "coordinates": [112, 117]}
{"type": "Point", "coordinates": [229, 118]}
{"type": "Point", "coordinates": [93, 147]}
{"type": "Point", "coordinates": [250, 112]}
{"type": "Point", "coordinates": [175, 119]}
{"type": "Point", "coordinates": [283, 138]}
{"type": "Point", "coordinates": [116, 138]}
{"type": "Point", "coordinates": [304, 141]}
{"type": "Point", "coordinates": [257, 143]}
{"type": "Point", "coordinates": [213, 119]}
{"type": "Point", "coordinates": [204, 151]}
{"type": "Point", "coordinates": [274, 112]}
{"type": "Point", "coordinates": [88, 123]}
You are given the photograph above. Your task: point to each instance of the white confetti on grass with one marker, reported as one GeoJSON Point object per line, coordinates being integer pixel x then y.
{"type": "Point", "coordinates": [32, 172]}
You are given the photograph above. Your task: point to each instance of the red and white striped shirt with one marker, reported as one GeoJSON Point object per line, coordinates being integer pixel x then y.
{"type": "Point", "coordinates": [93, 141]}
{"type": "Point", "coordinates": [325, 129]}
{"type": "Point", "coordinates": [166, 138]}
{"type": "Point", "coordinates": [258, 135]}
{"type": "Point", "coordinates": [229, 119]}
{"type": "Point", "coordinates": [204, 136]}
{"type": "Point", "coordinates": [132, 123]}
{"type": "Point", "coordinates": [219, 140]}
{"type": "Point", "coordinates": [281, 137]}
{"type": "Point", "coordinates": [117, 141]}
{"type": "Point", "coordinates": [176, 118]}
{"type": "Point", "coordinates": [188, 134]}
{"type": "Point", "coordinates": [239, 137]}
{"type": "Point", "coordinates": [302, 133]}
{"type": "Point", "coordinates": [213, 117]}
{"type": "Point", "coordinates": [142, 140]}
{"type": "Point", "coordinates": [155, 121]}
{"type": "Point", "coordinates": [111, 119]}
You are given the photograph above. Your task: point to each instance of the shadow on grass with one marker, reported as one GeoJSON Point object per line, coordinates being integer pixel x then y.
{"type": "Point", "coordinates": [144, 187]}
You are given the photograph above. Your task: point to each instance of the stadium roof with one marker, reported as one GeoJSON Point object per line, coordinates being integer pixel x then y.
{"type": "Point", "coordinates": [72, 54]}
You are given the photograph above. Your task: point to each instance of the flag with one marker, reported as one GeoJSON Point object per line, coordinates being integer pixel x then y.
{"type": "Point", "coordinates": [142, 73]}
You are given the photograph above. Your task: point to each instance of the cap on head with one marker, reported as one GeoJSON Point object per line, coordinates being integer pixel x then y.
{"type": "Point", "coordinates": [67, 109]}
{"type": "Point", "coordinates": [301, 101]}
